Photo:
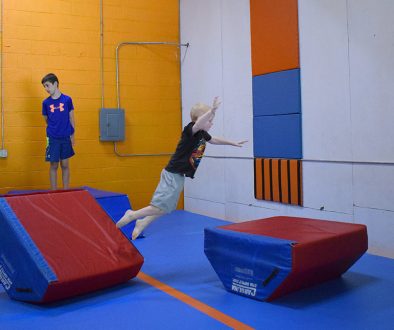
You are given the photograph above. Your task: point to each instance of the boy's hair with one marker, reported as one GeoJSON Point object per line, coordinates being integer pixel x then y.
{"type": "Point", "coordinates": [198, 110]}
{"type": "Point", "coordinates": [51, 77]}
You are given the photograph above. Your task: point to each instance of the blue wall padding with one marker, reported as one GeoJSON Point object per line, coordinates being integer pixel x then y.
{"type": "Point", "coordinates": [277, 93]}
{"type": "Point", "coordinates": [248, 264]}
{"type": "Point", "coordinates": [277, 136]}
{"type": "Point", "coordinates": [24, 273]}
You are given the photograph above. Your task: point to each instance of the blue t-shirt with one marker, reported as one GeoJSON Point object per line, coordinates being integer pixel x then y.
{"type": "Point", "coordinates": [58, 114]}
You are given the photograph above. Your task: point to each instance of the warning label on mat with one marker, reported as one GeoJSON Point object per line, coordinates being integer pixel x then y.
{"type": "Point", "coordinates": [5, 280]}
{"type": "Point", "coordinates": [244, 287]}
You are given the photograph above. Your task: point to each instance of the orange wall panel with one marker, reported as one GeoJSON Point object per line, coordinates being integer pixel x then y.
{"type": "Point", "coordinates": [274, 35]}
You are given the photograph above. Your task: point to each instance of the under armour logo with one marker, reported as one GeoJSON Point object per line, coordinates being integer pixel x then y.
{"type": "Point", "coordinates": [52, 107]}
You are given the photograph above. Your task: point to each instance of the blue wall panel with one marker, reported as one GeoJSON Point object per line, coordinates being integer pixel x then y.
{"type": "Point", "coordinates": [277, 136]}
{"type": "Point", "coordinates": [277, 93]}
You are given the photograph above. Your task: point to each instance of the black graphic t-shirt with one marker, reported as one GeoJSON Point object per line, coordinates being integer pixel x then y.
{"type": "Point", "coordinates": [189, 152]}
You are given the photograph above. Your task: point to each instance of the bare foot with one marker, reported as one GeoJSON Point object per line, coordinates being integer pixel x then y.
{"type": "Point", "coordinates": [139, 227]}
{"type": "Point", "coordinates": [141, 224]}
{"type": "Point", "coordinates": [127, 218]}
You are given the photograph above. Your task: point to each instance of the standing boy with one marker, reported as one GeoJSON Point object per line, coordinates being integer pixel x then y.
{"type": "Point", "coordinates": [183, 163]}
{"type": "Point", "coordinates": [58, 112]}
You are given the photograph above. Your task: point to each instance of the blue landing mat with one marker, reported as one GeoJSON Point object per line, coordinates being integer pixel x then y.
{"type": "Point", "coordinates": [361, 299]}
{"type": "Point", "coordinates": [130, 306]}
{"type": "Point", "coordinates": [173, 250]}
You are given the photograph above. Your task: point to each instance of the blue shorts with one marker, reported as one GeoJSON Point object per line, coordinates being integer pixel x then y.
{"type": "Point", "coordinates": [168, 191]}
{"type": "Point", "coordinates": [58, 149]}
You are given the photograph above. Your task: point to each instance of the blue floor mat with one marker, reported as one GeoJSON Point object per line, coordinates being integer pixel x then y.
{"type": "Point", "coordinates": [174, 254]}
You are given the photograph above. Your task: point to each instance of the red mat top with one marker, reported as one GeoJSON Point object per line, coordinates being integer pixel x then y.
{"type": "Point", "coordinates": [301, 230]}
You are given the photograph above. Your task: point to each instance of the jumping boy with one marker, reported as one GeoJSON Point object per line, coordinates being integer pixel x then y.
{"type": "Point", "coordinates": [58, 112]}
{"type": "Point", "coordinates": [183, 163]}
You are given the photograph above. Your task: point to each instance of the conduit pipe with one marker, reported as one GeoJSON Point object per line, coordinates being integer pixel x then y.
{"type": "Point", "coordinates": [1, 75]}
{"type": "Point", "coordinates": [143, 43]}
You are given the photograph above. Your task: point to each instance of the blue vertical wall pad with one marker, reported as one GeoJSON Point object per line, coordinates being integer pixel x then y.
{"type": "Point", "coordinates": [277, 93]}
{"type": "Point", "coordinates": [259, 264]}
{"type": "Point", "coordinates": [277, 115]}
{"type": "Point", "coordinates": [277, 136]}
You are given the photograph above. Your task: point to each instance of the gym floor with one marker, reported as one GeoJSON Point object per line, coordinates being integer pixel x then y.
{"type": "Point", "coordinates": [178, 289]}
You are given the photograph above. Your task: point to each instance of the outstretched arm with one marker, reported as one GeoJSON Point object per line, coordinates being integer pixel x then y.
{"type": "Point", "coordinates": [204, 122]}
{"type": "Point", "coordinates": [221, 141]}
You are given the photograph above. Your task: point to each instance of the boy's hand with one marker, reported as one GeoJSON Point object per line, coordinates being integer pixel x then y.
{"type": "Point", "coordinates": [239, 144]}
{"type": "Point", "coordinates": [72, 139]}
{"type": "Point", "coordinates": [216, 104]}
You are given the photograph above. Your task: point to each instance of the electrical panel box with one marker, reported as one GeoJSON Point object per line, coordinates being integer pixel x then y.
{"type": "Point", "coordinates": [112, 124]}
{"type": "Point", "coordinates": [3, 153]}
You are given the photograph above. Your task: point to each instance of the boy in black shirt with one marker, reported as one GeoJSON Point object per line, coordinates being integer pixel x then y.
{"type": "Point", "coordinates": [183, 163]}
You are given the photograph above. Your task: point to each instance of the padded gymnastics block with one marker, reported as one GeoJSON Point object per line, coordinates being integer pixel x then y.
{"type": "Point", "coordinates": [55, 245]}
{"type": "Point", "coordinates": [277, 93]}
{"type": "Point", "coordinates": [277, 136]}
{"type": "Point", "coordinates": [274, 35]}
{"type": "Point", "coordinates": [114, 204]}
{"type": "Point", "coordinates": [268, 258]}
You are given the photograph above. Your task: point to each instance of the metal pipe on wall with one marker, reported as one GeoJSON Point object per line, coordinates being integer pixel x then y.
{"type": "Point", "coordinates": [306, 160]}
{"type": "Point", "coordinates": [118, 86]}
{"type": "Point", "coordinates": [117, 73]}
{"type": "Point", "coordinates": [1, 74]}
{"type": "Point", "coordinates": [137, 43]}
{"type": "Point", "coordinates": [102, 53]}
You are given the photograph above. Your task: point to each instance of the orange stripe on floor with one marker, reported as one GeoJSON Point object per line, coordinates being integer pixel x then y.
{"type": "Point", "coordinates": [219, 316]}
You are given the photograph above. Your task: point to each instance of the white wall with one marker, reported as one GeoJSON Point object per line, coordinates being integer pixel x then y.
{"type": "Point", "coordinates": [347, 81]}
{"type": "Point", "coordinates": [218, 63]}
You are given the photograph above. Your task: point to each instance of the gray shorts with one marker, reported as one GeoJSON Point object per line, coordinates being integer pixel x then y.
{"type": "Point", "coordinates": [168, 190]}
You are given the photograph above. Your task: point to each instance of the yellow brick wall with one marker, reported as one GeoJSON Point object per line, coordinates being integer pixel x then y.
{"type": "Point", "coordinates": [63, 37]}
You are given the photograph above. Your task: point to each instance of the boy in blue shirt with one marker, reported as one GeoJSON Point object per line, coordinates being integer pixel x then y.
{"type": "Point", "coordinates": [58, 112]}
{"type": "Point", "coordinates": [183, 163]}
